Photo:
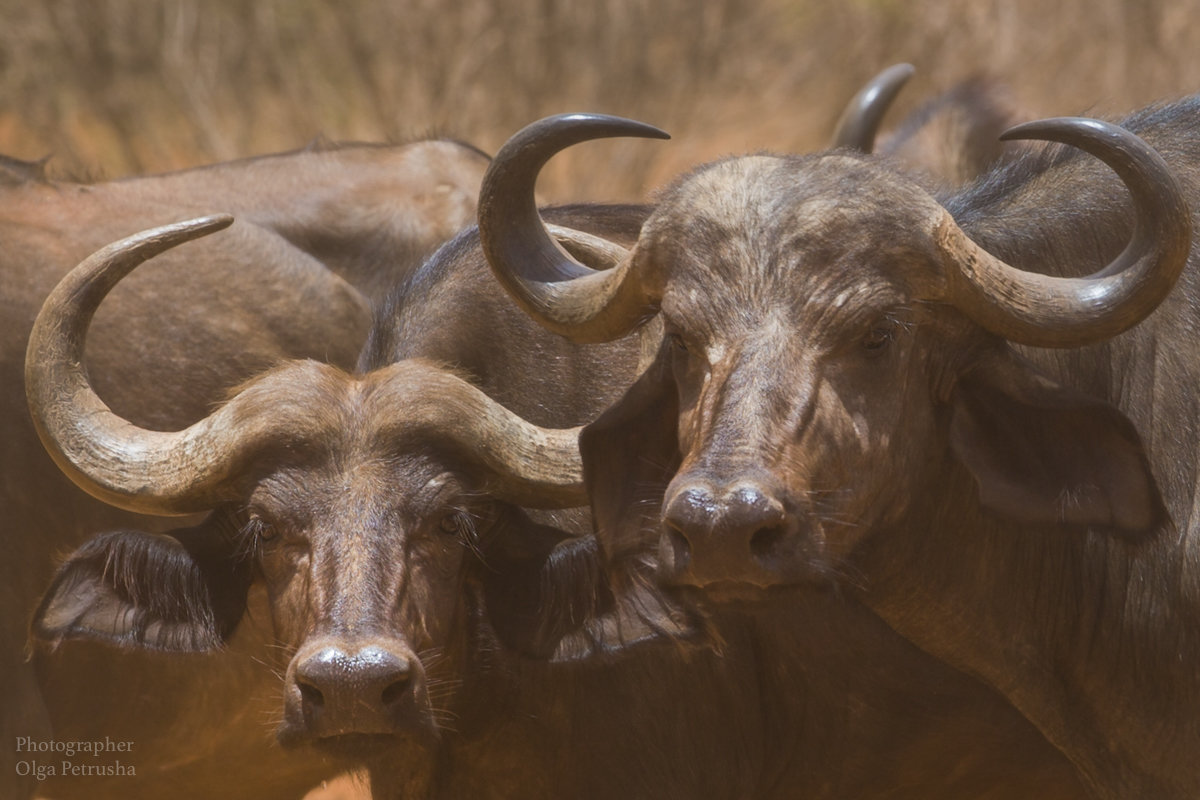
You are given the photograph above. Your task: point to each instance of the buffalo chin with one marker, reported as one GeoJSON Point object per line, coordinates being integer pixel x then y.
{"type": "Point", "coordinates": [358, 746]}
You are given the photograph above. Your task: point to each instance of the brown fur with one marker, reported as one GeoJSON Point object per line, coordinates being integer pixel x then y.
{"type": "Point", "coordinates": [389, 546]}
{"type": "Point", "coordinates": [164, 349]}
{"type": "Point", "coordinates": [1011, 520]}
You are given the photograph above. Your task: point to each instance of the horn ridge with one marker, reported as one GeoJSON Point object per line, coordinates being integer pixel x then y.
{"type": "Point", "coordinates": [557, 291]}
{"type": "Point", "coordinates": [1050, 311]}
{"type": "Point", "coordinates": [140, 470]}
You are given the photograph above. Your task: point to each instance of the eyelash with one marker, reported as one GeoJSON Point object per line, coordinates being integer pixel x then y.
{"type": "Point", "coordinates": [881, 335]}
{"type": "Point", "coordinates": [451, 524]}
{"type": "Point", "coordinates": [259, 530]}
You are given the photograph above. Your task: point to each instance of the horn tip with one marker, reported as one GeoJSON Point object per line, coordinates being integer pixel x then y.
{"type": "Point", "coordinates": [610, 125]}
{"type": "Point", "coordinates": [212, 222]}
{"type": "Point", "coordinates": [1048, 128]}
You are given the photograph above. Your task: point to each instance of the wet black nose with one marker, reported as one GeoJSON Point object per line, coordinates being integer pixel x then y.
{"type": "Point", "coordinates": [738, 534]}
{"type": "Point", "coordinates": [339, 687]}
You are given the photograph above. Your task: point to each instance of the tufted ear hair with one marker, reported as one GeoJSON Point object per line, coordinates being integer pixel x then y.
{"type": "Point", "coordinates": [1043, 453]}
{"type": "Point", "coordinates": [550, 596]}
{"type": "Point", "coordinates": [184, 591]}
{"type": "Point", "coordinates": [572, 598]}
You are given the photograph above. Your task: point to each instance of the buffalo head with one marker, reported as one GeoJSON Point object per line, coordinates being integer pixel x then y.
{"type": "Point", "coordinates": [381, 512]}
{"type": "Point", "coordinates": [836, 349]}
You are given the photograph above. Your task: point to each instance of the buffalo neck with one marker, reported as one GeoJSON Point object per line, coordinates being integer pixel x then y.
{"type": "Point", "coordinates": [785, 706]}
{"type": "Point", "coordinates": [1092, 637]}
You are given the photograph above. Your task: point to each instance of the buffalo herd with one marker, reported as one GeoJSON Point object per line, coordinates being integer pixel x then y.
{"type": "Point", "coordinates": [867, 473]}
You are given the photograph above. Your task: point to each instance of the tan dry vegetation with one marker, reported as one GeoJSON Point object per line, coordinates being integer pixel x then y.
{"type": "Point", "coordinates": [118, 87]}
{"type": "Point", "coordinates": [115, 87]}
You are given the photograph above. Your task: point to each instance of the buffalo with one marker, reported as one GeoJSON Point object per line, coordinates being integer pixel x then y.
{"type": "Point", "coordinates": [443, 634]}
{"type": "Point", "coordinates": [437, 626]}
{"type": "Point", "coordinates": [938, 404]}
{"type": "Point", "coordinates": [369, 212]}
{"type": "Point", "coordinates": [317, 232]}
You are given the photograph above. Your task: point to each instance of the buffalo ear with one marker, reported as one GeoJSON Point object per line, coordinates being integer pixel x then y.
{"type": "Point", "coordinates": [630, 453]}
{"type": "Point", "coordinates": [1043, 453]}
{"type": "Point", "coordinates": [582, 597]}
{"type": "Point", "coordinates": [182, 592]}
{"type": "Point", "coordinates": [549, 596]}
{"type": "Point", "coordinates": [516, 588]}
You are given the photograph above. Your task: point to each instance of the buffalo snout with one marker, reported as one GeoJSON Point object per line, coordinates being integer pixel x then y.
{"type": "Point", "coordinates": [339, 687]}
{"type": "Point", "coordinates": [739, 533]}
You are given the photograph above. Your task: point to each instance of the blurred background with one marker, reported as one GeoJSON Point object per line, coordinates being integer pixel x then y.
{"type": "Point", "coordinates": [111, 88]}
{"type": "Point", "coordinates": [119, 87]}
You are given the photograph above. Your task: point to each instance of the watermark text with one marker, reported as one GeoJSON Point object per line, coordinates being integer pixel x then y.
{"type": "Point", "coordinates": [53, 758]}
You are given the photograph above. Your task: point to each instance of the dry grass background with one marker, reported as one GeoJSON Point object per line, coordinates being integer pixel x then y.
{"type": "Point", "coordinates": [117, 87]}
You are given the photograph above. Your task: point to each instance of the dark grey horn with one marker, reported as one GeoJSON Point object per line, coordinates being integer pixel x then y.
{"type": "Point", "coordinates": [859, 123]}
{"type": "Point", "coordinates": [1046, 311]}
{"type": "Point", "coordinates": [566, 297]}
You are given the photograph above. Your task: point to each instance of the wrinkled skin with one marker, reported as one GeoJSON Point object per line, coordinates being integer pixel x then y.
{"type": "Point", "coordinates": [817, 418]}
{"type": "Point", "coordinates": [254, 279]}
{"type": "Point", "coordinates": [827, 327]}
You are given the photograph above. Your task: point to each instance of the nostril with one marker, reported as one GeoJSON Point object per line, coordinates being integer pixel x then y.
{"type": "Point", "coordinates": [311, 696]}
{"type": "Point", "coordinates": [765, 542]}
{"type": "Point", "coordinates": [396, 692]}
{"type": "Point", "coordinates": [678, 547]}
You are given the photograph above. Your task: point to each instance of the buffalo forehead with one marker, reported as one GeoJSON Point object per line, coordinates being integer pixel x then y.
{"type": "Point", "coordinates": [753, 192]}
{"type": "Point", "coordinates": [750, 222]}
{"type": "Point", "coordinates": [319, 404]}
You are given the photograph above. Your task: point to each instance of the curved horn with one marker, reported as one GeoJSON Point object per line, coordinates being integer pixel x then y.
{"type": "Point", "coordinates": [140, 470]}
{"type": "Point", "coordinates": [859, 123]}
{"type": "Point", "coordinates": [1046, 311]}
{"type": "Point", "coordinates": [563, 295]}
{"type": "Point", "coordinates": [155, 472]}
{"type": "Point", "coordinates": [524, 464]}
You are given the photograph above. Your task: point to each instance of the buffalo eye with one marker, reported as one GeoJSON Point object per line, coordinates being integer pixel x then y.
{"type": "Point", "coordinates": [879, 337]}
{"type": "Point", "coordinates": [677, 343]}
{"type": "Point", "coordinates": [261, 531]}
{"type": "Point", "coordinates": [259, 536]}
{"type": "Point", "coordinates": [461, 526]}
{"type": "Point", "coordinates": [451, 524]}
